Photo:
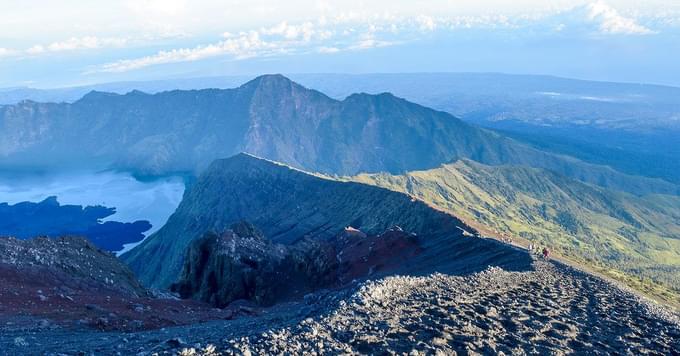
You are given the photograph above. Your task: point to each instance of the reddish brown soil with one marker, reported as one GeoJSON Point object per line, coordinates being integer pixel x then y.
{"type": "Point", "coordinates": [364, 255]}
{"type": "Point", "coordinates": [37, 297]}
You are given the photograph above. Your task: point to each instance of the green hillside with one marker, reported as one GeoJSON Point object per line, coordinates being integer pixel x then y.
{"type": "Point", "coordinates": [611, 231]}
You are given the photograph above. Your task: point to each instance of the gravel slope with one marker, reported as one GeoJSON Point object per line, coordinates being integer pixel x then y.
{"type": "Point", "coordinates": [550, 310]}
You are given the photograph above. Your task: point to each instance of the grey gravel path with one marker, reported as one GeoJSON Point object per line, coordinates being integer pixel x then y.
{"type": "Point", "coordinates": [550, 310]}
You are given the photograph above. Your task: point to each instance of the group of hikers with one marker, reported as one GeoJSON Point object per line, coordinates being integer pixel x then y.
{"type": "Point", "coordinates": [535, 249]}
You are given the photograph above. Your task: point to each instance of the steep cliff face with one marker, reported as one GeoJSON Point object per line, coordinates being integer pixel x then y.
{"type": "Point", "coordinates": [271, 117]}
{"type": "Point", "coordinates": [290, 205]}
{"type": "Point", "coordinates": [241, 263]}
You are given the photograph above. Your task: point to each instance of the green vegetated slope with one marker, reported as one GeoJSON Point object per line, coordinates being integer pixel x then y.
{"type": "Point", "coordinates": [612, 231]}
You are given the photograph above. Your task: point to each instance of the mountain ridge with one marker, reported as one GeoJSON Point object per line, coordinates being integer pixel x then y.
{"type": "Point", "coordinates": [289, 204]}
{"type": "Point", "coordinates": [623, 125]}
{"type": "Point", "coordinates": [273, 117]}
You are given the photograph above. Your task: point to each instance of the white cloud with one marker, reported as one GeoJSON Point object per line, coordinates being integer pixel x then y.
{"type": "Point", "coordinates": [71, 44]}
{"type": "Point", "coordinates": [351, 31]}
{"type": "Point", "coordinates": [36, 49]}
{"type": "Point", "coordinates": [592, 19]}
{"type": "Point", "coordinates": [426, 23]}
{"type": "Point", "coordinates": [281, 39]}
{"type": "Point", "coordinates": [6, 52]}
{"type": "Point", "coordinates": [29, 20]}
{"type": "Point", "coordinates": [668, 19]}
{"type": "Point", "coordinates": [612, 22]}
{"type": "Point", "coordinates": [88, 42]}
{"type": "Point", "coordinates": [371, 43]}
{"type": "Point", "coordinates": [304, 31]}
{"type": "Point", "coordinates": [78, 43]}
{"type": "Point", "coordinates": [325, 49]}
{"type": "Point", "coordinates": [243, 45]}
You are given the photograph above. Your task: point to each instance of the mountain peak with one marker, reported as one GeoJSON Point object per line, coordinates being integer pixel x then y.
{"type": "Point", "coordinates": [273, 80]}
{"type": "Point", "coordinates": [96, 95]}
{"type": "Point", "coordinates": [273, 77]}
{"type": "Point", "coordinates": [137, 93]}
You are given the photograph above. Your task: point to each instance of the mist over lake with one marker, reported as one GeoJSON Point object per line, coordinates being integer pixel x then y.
{"type": "Point", "coordinates": [153, 200]}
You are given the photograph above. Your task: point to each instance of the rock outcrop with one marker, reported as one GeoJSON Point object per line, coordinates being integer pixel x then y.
{"type": "Point", "coordinates": [242, 264]}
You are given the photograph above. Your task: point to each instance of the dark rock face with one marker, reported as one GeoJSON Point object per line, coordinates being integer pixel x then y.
{"type": "Point", "coordinates": [242, 264]}
{"type": "Point", "coordinates": [49, 218]}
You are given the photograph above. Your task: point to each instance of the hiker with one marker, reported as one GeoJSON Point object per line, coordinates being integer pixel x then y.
{"type": "Point", "coordinates": [546, 253]}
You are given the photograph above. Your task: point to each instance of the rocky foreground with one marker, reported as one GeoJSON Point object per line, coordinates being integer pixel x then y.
{"type": "Point", "coordinates": [331, 272]}
{"type": "Point", "coordinates": [68, 284]}
{"type": "Point", "coordinates": [551, 309]}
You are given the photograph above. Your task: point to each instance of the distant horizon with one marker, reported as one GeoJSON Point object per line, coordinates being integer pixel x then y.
{"type": "Point", "coordinates": [54, 45]}
{"type": "Point", "coordinates": [288, 74]}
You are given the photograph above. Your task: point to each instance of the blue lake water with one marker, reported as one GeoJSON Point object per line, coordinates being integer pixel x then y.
{"type": "Point", "coordinates": [134, 200]}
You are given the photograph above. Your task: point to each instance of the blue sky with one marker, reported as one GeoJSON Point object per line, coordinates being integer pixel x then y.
{"type": "Point", "coordinates": [45, 44]}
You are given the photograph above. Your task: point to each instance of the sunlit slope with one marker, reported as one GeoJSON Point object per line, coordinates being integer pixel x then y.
{"type": "Point", "coordinates": [637, 235]}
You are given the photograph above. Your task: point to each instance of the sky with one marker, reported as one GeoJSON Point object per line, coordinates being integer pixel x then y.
{"type": "Point", "coordinates": [47, 44]}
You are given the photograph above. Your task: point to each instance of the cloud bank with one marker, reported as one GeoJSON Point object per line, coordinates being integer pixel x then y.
{"type": "Point", "coordinates": [612, 22]}
{"type": "Point", "coordinates": [355, 31]}
{"type": "Point", "coordinates": [177, 37]}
